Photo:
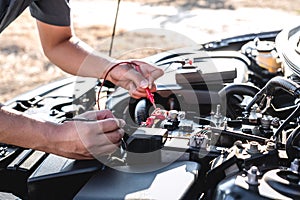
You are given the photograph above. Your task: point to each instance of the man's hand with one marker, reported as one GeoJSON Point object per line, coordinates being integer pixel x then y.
{"type": "Point", "coordinates": [99, 135]}
{"type": "Point", "coordinates": [127, 77]}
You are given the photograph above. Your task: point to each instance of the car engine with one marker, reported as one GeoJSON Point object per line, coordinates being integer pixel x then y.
{"type": "Point", "coordinates": [225, 126]}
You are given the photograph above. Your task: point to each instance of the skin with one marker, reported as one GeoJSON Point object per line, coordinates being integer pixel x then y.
{"type": "Point", "coordinates": [77, 139]}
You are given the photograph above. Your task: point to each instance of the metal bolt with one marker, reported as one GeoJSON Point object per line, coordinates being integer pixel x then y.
{"type": "Point", "coordinates": [253, 149]}
{"type": "Point", "coordinates": [295, 165]}
{"type": "Point", "coordinates": [252, 175]}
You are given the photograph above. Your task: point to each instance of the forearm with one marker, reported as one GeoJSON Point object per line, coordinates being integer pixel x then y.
{"type": "Point", "coordinates": [20, 130]}
{"type": "Point", "coordinates": [65, 50]}
{"type": "Point", "coordinates": [77, 58]}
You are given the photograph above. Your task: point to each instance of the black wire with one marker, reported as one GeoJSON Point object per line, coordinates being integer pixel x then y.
{"type": "Point", "coordinates": [78, 119]}
{"type": "Point", "coordinates": [114, 29]}
{"type": "Point", "coordinates": [289, 119]}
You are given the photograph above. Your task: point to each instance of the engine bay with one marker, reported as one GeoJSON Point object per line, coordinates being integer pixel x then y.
{"type": "Point", "coordinates": [226, 126]}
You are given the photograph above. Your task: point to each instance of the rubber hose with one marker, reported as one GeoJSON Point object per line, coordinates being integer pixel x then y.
{"type": "Point", "coordinates": [283, 83]}
{"type": "Point", "coordinates": [276, 82]}
{"type": "Point", "coordinates": [292, 144]}
{"type": "Point", "coordinates": [236, 89]}
{"type": "Point", "coordinates": [239, 89]}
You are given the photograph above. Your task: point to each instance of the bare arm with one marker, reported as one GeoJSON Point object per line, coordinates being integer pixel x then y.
{"type": "Point", "coordinates": [74, 139]}
{"type": "Point", "coordinates": [65, 50]}
{"type": "Point", "coordinates": [68, 52]}
{"type": "Point", "coordinates": [21, 130]}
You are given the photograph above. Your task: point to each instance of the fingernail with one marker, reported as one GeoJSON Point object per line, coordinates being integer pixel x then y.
{"type": "Point", "coordinates": [122, 123]}
{"type": "Point", "coordinates": [144, 84]}
{"type": "Point", "coordinates": [150, 86]}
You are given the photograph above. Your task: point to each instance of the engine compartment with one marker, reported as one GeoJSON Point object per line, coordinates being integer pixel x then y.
{"type": "Point", "coordinates": [228, 114]}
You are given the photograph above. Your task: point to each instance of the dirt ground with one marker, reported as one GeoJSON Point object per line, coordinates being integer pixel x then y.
{"type": "Point", "coordinates": [24, 67]}
{"type": "Point", "coordinates": [292, 6]}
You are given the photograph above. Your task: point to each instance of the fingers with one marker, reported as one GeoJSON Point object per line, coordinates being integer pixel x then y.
{"type": "Point", "coordinates": [155, 74]}
{"type": "Point", "coordinates": [103, 132]}
{"type": "Point", "coordinates": [98, 138]}
{"type": "Point", "coordinates": [97, 127]}
{"type": "Point", "coordinates": [140, 92]}
{"type": "Point", "coordinates": [137, 78]}
{"type": "Point", "coordinates": [96, 115]}
{"type": "Point", "coordinates": [150, 72]}
{"type": "Point", "coordinates": [95, 152]}
{"type": "Point", "coordinates": [145, 78]}
{"type": "Point", "coordinates": [113, 137]}
{"type": "Point", "coordinates": [104, 114]}
{"type": "Point", "coordinates": [104, 143]}
{"type": "Point", "coordinates": [110, 124]}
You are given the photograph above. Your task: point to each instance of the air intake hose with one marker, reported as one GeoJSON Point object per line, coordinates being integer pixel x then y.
{"type": "Point", "coordinates": [276, 83]}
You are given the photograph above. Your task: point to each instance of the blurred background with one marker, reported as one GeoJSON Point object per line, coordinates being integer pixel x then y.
{"type": "Point", "coordinates": [144, 27]}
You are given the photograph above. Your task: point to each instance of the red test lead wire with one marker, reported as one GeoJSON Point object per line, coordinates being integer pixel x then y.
{"type": "Point", "coordinates": [150, 96]}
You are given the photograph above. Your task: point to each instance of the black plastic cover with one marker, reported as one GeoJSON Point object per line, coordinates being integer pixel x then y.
{"type": "Point", "coordinates": [172, 182]}
{"type": "Point", "coordinates": [60, 178]}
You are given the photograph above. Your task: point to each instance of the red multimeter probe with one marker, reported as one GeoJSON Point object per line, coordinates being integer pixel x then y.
{"type": "Point", "coordinates": [150, 96]}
